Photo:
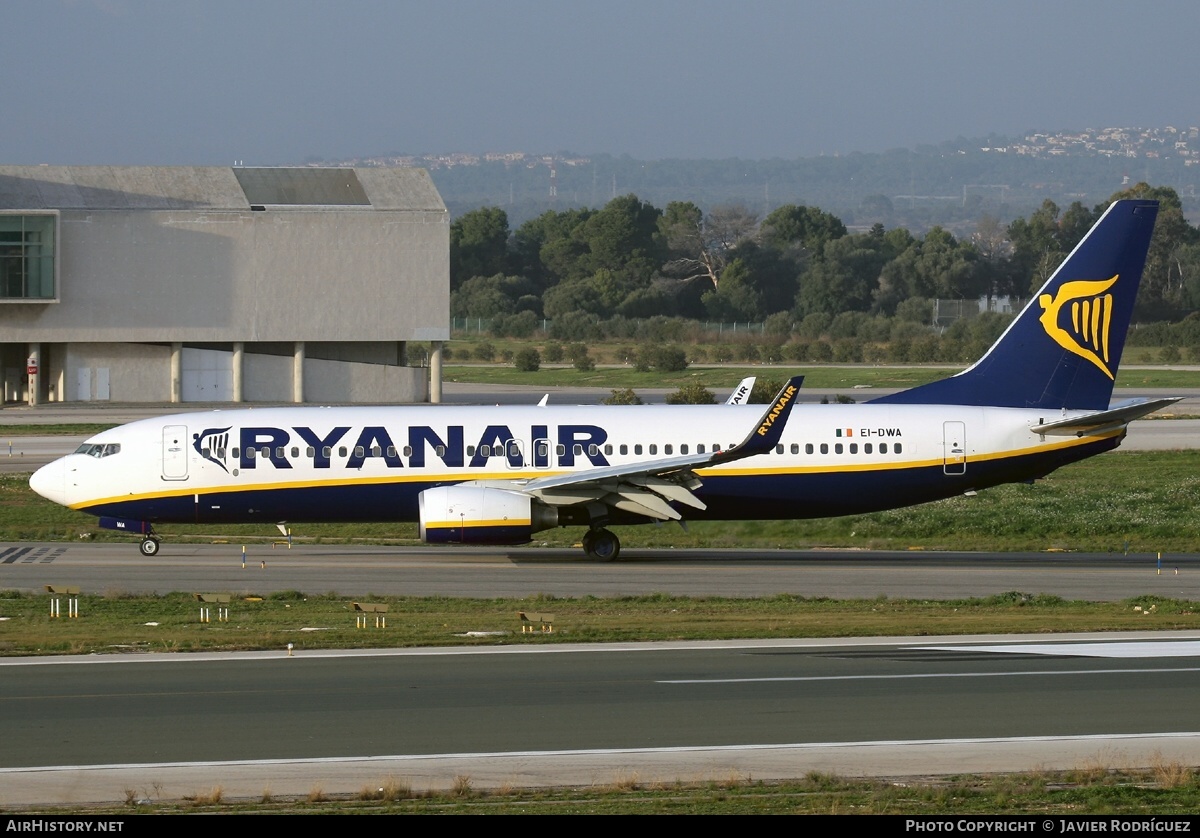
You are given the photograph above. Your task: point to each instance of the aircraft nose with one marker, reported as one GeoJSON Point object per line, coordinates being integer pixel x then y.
{"type": "Point", "coordinates": [50, 481]}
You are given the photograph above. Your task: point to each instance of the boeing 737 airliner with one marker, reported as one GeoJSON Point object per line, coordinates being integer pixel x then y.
{"type": "Point", "coordinates": [1037, 400]}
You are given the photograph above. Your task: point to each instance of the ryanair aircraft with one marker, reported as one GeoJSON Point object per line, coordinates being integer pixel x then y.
{"type": "Point", "coordinates": [1038, 399]}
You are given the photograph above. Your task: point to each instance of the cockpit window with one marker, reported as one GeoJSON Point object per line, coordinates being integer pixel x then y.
{"type": "Point", "coordinates": [98, 450]}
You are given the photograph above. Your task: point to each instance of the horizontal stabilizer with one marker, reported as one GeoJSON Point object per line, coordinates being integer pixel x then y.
{"type": "Point", "coordinates": [1105, 420]}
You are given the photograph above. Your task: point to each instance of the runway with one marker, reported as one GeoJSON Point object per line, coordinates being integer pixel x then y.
{"type": "Point", "coordinates": [524, 572]}
{"type": "Point", "coordinates": [167, 726]}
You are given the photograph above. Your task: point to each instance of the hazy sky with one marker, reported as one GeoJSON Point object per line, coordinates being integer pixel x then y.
{"type": "Point", "coordinates": [272, 82]}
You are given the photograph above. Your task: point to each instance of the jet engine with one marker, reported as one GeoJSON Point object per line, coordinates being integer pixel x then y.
{"type": "Point", "coordinates": [474, 514]}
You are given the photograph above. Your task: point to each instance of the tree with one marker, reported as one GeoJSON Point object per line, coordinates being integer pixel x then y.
{"type": "Point", "coordinates": [844, 278]}
{"type": "Point", "coordinates": [692, 393]}
{"type": "Point", "coordinates": [489, 296]}
{"type": "Point", "coordinates": [625, 396]}
{"type": "Point", "coordinates": [478, 245]}
{"type": "Point", "coordinates": [623, 233]}
{"type": "Point", "coordinates": [1036, 246]}
{"type": "Point", "coordinates": [1164, 291]}
{"type": "Point", "coordinates": [803, 227]}
{"type": "Point", "coordinates": [700, 246]}
{"type": "Point", "coordinates": [527, 360]}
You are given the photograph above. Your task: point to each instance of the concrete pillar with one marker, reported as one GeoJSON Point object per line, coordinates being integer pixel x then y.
{"type": "Point", "coordinates": [34, 360]}
{"type": "Point", "coordinates": [298, 373]}
{"type": "Point", "coordinates": [176, 373]}
{"type": "Point", "coordinates": [435, 372]}
{"type": "Point", "coordinates": [402, 353]}
{"type": "Point", "coordinates": [239, 350]}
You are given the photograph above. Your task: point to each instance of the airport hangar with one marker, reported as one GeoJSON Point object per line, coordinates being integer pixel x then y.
{"type": "Point", "coordinates": [214, 284]}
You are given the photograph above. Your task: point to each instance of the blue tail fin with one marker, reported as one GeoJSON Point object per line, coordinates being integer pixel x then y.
{"type": "Point", "coordinates": [1063, 349]}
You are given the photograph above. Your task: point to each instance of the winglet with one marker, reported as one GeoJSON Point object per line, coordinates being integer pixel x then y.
{"type": "Point", "coordinates": [769, 428]}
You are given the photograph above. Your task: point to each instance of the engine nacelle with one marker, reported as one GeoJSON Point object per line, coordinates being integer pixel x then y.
{"type": "Point", "coordinates": [472, 514]}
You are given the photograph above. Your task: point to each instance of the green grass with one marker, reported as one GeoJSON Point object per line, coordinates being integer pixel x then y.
{"type": "Point", "coordinates": [65, 429]}
{"type": "Point", "coordinates": [120, 623]}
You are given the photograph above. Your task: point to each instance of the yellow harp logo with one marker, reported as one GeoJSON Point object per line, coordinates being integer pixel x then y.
{"type": "Point", "coordinates": [1086, 307]}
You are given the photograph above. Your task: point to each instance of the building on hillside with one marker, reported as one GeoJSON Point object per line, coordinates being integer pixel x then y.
{"type": "Point", "coordinates": [191, 284]}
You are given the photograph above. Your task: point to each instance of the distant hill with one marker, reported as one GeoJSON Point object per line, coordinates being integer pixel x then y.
{"type": "Point", "coordinates": [952, 185]}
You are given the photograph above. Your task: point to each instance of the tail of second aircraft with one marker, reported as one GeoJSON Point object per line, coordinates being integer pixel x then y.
{"type": "Point", "coordinates": [1064, 348]}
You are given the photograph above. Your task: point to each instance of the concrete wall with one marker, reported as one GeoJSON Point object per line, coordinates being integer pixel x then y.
{"type": "Point", "coordinates": [333, 382]}
{"type": "Point", "coordinates": [135, 372]}
{"type": "Point", "coordinates": [192, 276]}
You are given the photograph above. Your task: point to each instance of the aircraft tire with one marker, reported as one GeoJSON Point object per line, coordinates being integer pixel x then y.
{"type": "Point", "coordinates": [601, 545]}
{"type": "Point", "coordinates": [149, 546]}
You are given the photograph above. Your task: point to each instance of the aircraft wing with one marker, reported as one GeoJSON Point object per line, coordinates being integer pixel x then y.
{"type": "Point", "coordinates": [647, 487]}
{"type": "Point", "coordinates": [1104, 420]}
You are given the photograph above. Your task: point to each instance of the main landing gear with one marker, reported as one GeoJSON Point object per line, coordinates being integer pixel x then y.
{"type": "Point", "coordinates": [149, 546]}
{"type": "Point", "coordinates": [601, 545]}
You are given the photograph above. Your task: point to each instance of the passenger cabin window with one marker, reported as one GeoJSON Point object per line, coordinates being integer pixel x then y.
{"type": "Point", "coordinates": [866, 448]}
{"type": "Point", "coordinates": [824, 447]}
{"type": "Point", "coordinates": [624, 450]}
{"type": "Point", "coordinates": [668, 448]}
{"type": "Point", "coordinates": [808, 448]}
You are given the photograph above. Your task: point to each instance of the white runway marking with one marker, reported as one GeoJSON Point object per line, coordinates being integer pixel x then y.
{"type": "Point", "coordinates": [1139, 649]}
{"type": "Point", "coordinates": [1046, 673]}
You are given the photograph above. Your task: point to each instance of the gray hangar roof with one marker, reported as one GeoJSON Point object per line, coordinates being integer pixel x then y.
{"type": "Point", "coordinates": [214, 188]}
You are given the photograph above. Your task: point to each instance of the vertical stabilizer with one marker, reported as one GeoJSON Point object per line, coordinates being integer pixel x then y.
{"type": "Point", "coordinates": [1063, 349]}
